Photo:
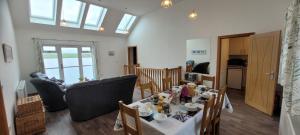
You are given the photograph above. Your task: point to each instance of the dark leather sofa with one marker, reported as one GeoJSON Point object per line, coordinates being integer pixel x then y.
{"type": "Point", "coordinates": [91, 99]}
{"type": "Point", "coordinates": [52, 91]}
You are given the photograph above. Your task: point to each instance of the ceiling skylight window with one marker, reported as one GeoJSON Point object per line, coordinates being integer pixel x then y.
{"type": "Point", "coordinates": [71, 13]}
{"type": "Point", "coordinates": [95, 17]}
{"type": "Point", "coordinates": [125, 24]}
{"type": "Point", "coordinates": [43, 11]}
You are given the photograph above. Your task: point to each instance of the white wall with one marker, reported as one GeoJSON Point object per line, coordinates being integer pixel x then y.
{"type": "Point", "coordinates": [9, 72]}
{"type": "Point", "coordinates": [198, 44]}
{"type": "Point", "coordinates": [161, 35]}
{"type": "Point", "coordinates": [109, 66]}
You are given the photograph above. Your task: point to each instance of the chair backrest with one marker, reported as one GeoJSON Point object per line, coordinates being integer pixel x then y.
{"type": "Point", "coordinates": [205, 79]}
{"type": "Point", "coordinates": [129, 130]}
{"type": "Point", "coordinates": [167, 83]}
{"type": "Point", "coordinates": [219, 102]}
{"type": "Point", "coordinates": [146, 86]}
{"type": "Point", "coordinates": [189, 68]}
{"type": "Point", "coordinates": [207, 116]}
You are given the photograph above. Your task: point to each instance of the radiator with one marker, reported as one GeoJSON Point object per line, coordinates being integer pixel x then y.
{"type": "Point", "coordinates": [21, 89]}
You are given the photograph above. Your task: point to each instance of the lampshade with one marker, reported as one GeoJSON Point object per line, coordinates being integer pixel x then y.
{"type": "Point", "coordinates": [166, 3]}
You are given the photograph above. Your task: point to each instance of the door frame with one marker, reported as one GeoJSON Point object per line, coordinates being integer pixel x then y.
{"type": "Point", "coordinates": [4, 129]}
{"type": "Point", "coordinates": [219, 52]}
{"type": "Point", "coordinates": [128, 58]}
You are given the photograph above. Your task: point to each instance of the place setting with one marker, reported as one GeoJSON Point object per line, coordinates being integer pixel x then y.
{"type": "Point", "coordinates": [180, 103]}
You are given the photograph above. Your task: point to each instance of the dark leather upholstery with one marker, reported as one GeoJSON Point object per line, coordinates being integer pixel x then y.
{"type": "Point", "coordinates": [91, 99]}
{"type": "Point", "coordinates": [201, 68]}
{"type": "Point", "coordinates": [51, 94]}
{"type": "Point", "coordinates": [39, 75]}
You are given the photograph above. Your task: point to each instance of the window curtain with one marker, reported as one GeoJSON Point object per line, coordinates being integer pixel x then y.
{"type": "Point", "coordinates": [289, 76]}
{"type": "Point", "coordinates": [95, 49]}
{"type": "Point", "coordinates": [39, 58]}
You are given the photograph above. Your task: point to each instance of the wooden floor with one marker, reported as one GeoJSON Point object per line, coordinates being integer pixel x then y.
{"type": "Point", "coordinates": [243, 121]}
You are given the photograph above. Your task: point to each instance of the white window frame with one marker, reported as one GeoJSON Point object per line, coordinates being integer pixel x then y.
{"type": "Point", "coordinates": [60, 58]}
{"type": "Point", "coordinates": [128, 25]}
{"type": "Point", "coordinates": [41, 19]}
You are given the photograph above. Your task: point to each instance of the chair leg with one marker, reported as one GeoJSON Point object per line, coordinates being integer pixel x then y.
{"type": "Point", "coordinates": [214, 129]}
{"type": "Point", "coordinates": [152, 92]}
{"type": "Point", "coordinates": [142, 94]}
{"type": "Point", "coordinates": [217, 128]}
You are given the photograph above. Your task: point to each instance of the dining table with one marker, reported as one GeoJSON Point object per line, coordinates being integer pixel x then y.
{"type": "Point", "coordinates": [179, 121]}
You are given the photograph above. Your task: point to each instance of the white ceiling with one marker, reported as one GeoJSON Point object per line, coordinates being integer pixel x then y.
{"type": "Point", "coordinates": [116, 9]}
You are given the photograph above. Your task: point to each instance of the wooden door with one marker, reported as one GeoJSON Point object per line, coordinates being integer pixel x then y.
{"type": "Point", "coordinates": [3, 120]}
{"type": "Point", "coordinates": [224, 59]}
{"type": "Point", "coordinates": [263, 63]}
{"type": "Point", "coordinates": [132, 55]}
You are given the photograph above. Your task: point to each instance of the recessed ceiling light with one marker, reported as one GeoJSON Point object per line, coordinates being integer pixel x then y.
{"type": "Point", "coordinates": [101, 29]}
{"type": "Point", "coordinates": [193, 15]}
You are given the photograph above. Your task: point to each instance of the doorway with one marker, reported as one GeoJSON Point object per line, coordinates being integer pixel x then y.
{"type": "Point", "coordinates": [259, 54]}
{"type": "Point", "coordinates": [132, 55]}
{"type": "Point", "coordinates": [232, 60]}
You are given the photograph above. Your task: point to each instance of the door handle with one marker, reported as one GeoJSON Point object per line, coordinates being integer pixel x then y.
{"type": "Point", "coordinates": [271, 75]}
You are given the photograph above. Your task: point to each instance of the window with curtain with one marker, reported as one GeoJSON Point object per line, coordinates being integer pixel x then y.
{"type": "Point", "coordinates": [70, 63]}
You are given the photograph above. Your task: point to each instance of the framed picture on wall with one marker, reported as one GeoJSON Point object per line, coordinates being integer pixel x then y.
{"type": "Point", "coordinates": [8, 54]}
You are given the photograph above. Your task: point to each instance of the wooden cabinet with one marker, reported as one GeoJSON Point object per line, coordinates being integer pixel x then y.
{"type": "Point", "coordinates": [239, 46]}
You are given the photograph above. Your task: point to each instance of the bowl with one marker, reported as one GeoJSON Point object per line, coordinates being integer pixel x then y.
{"type": "Point", "coordinates": [160, 117]}
{"type": "Point", "coordinates": [192, 106]}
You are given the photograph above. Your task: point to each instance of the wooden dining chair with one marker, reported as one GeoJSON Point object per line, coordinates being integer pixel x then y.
{"type": "Point", "coordinates": [205, 79]}
{"type": "Point", "coordinates": [207, 116]}
{"type": "Point", "coordinates": [146, 86]}
{"type": "Point", "coordinates": [129, 130]}
{"type": "Point", "coordinates": [217, 110]}
{"type": "Point", "coordinates": [167, 83]}
{"type": "Point", "coordinates": [189, 68]}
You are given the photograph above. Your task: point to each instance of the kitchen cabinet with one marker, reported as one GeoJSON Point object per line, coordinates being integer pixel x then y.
{"type": "Point", "coordinates": [239, 46]}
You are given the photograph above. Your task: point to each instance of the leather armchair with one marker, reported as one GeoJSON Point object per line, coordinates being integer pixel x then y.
{"type": "Point", "coordinates": [51, 94]}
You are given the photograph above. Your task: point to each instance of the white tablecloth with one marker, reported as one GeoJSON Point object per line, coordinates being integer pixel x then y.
{"type": "Point", "coordinates": [172, 126]}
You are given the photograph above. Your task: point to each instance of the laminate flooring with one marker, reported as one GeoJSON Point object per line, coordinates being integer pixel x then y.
{"type": "Point", "coordinates": [245, 120]}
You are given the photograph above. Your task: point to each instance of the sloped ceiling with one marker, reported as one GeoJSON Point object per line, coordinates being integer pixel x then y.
{"type": "Point", "coordinates": [116, 10]}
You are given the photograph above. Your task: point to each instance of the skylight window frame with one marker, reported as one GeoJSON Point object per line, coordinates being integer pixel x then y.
{"type": "Point", "coordinates": [99, 21]}
{"type": "Point", "coordinates": [128, 25]}
{"type": "Point", "coordinates": [72, 24]}
{"type": "Point", "coordinates": [42, 19]}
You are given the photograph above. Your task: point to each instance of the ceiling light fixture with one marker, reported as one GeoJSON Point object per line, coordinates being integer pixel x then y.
{"type": "Point", "coordinates": [193, 15]}
{"type": "Point", "coordinates": [63, 22]}
{"type": "Point", "coordinates": [101, 29]}
{"type": "Point", "coordinates": [166, 3]}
